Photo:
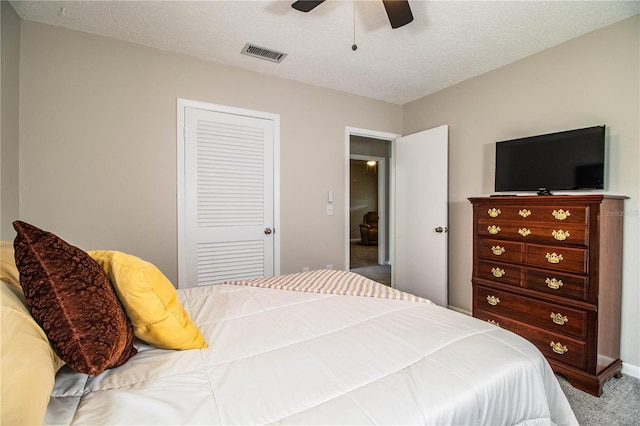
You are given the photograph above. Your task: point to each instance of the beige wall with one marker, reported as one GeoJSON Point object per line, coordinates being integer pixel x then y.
{"type": "Point", "coordinates": [98, 144]}
{"type": "Point", "coordinates": [588, 81]}
{"type": "Point", "coordinates": [10, 79]}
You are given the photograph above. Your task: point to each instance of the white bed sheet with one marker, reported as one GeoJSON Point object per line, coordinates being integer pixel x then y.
{"type": "Point", "coordinates": [288, 357]}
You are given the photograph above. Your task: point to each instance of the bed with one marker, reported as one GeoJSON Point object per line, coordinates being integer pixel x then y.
{"type": "Point", "coordinates": [323, 347]}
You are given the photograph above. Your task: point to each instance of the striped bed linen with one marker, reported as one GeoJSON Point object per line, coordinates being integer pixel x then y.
{"type": "Point", "coordinates": [330, 281]}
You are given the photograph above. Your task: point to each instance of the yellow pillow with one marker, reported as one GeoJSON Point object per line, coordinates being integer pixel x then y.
{"type": "Point", "coordinates": [29, 364]}
{"type": "Point", "coordinates": [8, 269]}
{"type": "Point", "coordinates": [150, 301]}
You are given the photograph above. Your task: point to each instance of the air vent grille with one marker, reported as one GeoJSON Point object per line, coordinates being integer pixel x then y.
{"type": "Point", "coordinates": [263, 53]}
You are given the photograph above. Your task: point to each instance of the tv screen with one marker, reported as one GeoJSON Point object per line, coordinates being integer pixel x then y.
{"type": "Point", "coordinates": [570, 160]}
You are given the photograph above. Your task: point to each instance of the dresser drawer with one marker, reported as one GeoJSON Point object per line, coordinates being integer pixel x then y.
{"type": "Point", "coordinates": [501, 250]}
{"type": "Point", "coordinates": [550, 214]}
{"type": "Point", "coordinates": [533, 232]}
{"type": "Point", "coordinates": [499, 229]}
{"type": "Point", "coordinates": [563, 285]}
{"type": "Point", "coordinates": [546, 234]}
{"type": "Point", "coordinates": [550, 316]}
{"type": "Point", "coordinates": [499, 272]}
{"type": "Point", "coordinates": [554, 346]}
{"type": "Point", "coordinates": [557, 258]}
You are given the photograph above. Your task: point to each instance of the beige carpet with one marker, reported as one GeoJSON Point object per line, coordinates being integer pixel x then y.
{"type": "Point", "coordinates": [618, 405]}
{"type": "Point", "coordinates": [364, 261]}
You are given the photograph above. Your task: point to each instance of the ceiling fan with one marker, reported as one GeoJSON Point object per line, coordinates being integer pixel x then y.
{"type": "Point", "coordinates": [398, 11]}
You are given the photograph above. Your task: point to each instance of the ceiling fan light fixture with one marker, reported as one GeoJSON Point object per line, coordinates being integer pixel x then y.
{"type": "Point", "coordinates": [399, 12]}
{"type": "Point", "coordinates": [306, 5]}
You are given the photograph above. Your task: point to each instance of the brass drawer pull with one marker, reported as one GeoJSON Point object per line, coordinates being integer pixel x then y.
{"type": "Point", "coordinates": [492, 300]}
{"type": "Point", "coordinates": [558, 348]}
{"type": "Point", "coordinates": [553, 283]}
{"type": "Point", "coordinates": [554, 258]}
{"type": "Point", "coordinates": [494, 212]}
{"type": "Point", "coordinates": [524, 231]}
{"type": "Point", "coordinates": [560, 235]}
{"type": "Point", "coordinates": [497, 324]}
{"type": "Point", "coordinates": [559, 318]}
{"type": "Point", "coordinates": [524, 213]}
{"type": "Point", "coordinates": [560, 214]}
{"type": "Point", "coordinates": [497, 250]}
{"type": "Point", "coordinates": [497, 272]}
{"type": "Point", "coordinates": [493, 230]}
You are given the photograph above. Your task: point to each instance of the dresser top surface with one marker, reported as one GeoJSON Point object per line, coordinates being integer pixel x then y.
{"type": "Point", "coordinates": [547, 199]}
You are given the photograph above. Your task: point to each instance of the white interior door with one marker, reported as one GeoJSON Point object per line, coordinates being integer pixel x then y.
{"type": "Point", "coordinates": [420, 219]}
{"type": "Point", "coordinates": [228, 198]}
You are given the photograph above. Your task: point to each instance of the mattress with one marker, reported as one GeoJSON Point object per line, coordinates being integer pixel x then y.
{"type": "Point", "coordinates": [284, 356]}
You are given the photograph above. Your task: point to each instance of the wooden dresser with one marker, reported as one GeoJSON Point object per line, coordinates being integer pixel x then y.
{"type": "Point", "coordinates": [550, 269]}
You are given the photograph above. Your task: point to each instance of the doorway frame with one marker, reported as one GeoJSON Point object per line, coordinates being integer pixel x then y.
{"type": "Point", "coordinates": [373, 134]}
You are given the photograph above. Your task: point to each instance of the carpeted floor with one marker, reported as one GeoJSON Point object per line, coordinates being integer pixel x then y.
{"type": "Point", "coordinates": [618, 405]}
{"type": "Point", "coordinates": [364, 261]}
{"type": "Point", "coordinates": [361, 255]}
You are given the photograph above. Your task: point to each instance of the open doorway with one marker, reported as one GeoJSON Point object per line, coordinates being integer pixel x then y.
{"type": "Point", "coordinates": [369, 207]}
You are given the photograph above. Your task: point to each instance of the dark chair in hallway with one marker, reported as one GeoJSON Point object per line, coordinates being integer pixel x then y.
{"type": "Point", "coordinates": [369, 228]}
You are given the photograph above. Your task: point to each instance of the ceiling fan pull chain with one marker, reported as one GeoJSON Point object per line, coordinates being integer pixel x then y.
{"type": "Point", "coordinates": [354, 47]}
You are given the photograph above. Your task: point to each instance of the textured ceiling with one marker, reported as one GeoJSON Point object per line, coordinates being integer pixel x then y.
{"type": "Point", "coordinates": [448, 41]}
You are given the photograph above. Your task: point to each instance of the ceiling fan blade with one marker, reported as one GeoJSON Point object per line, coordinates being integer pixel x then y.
{"type": "Point", "coordinates": [305, 5]}
{"type": "Point", "coordinates": [398, 11]}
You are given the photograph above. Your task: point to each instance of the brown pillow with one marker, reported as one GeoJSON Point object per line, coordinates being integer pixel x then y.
{"type": "Point", "coordinates": [72, 299]}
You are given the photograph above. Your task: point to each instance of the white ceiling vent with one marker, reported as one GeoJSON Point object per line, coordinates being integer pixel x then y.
{"type": "Point", "coordinates": [263, 53]}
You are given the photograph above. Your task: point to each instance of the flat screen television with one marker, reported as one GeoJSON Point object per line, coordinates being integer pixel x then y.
{"type": "Point", "coordinates": [569, 160]}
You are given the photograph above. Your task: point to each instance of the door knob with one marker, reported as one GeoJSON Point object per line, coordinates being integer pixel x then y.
{"type": "Point", "coordinates": [440, 229]}
{"type": "Point", "coordinates": [267, 231]}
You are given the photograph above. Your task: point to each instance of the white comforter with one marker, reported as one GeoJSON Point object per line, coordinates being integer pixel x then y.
{"type": "Point", "coordinates": [278, 356]}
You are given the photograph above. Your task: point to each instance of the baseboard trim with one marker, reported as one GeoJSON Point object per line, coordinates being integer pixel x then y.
{"type": "Point", "coordinates": [462, 311]}
{"type": "Point", "coordinates": [631, 370]}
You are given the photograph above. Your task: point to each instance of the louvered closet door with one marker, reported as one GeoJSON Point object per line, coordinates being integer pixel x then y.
{"type": "Point", "coordinates": [229, 181]}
